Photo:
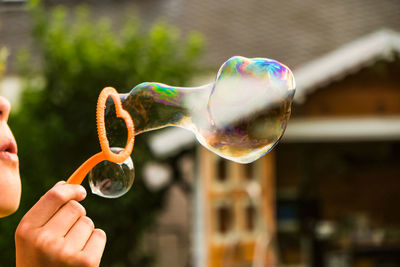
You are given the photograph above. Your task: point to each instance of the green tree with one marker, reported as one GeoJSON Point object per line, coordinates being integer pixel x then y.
{"type": "Point", "coordinates": [55, 123]}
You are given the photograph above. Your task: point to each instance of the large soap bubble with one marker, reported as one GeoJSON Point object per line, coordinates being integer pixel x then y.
{"type": "Point", "coordinates": [240, 117]}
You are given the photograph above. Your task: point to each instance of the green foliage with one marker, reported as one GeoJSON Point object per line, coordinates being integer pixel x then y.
{"type": "Point", "coordinates": [55, 123]}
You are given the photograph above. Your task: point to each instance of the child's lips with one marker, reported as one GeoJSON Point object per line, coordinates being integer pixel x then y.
{"type": "Point", "coordinates": [5, 155]}
{"type": "Point", "coordinates": [8, 150]}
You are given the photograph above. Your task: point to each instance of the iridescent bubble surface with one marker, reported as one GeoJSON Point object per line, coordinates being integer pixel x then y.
{"type": "Point", "coordinates": [248, 108]}
{"type": "Point", "coordinates": [240, 117]}
{"type": "Point", "coordinates": [112, 180]}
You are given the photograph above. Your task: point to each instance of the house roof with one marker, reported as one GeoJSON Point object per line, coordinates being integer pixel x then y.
{"type": "Point", "coordinates": [292, 32]}
{"type": "Point", "coordinates": [348, 58]}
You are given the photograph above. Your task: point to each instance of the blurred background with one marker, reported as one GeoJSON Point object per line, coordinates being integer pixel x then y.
{"type": "Point", "coordinates": [327, 193]}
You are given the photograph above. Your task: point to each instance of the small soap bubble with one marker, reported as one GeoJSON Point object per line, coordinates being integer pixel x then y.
{"type": "Point", "coordinates": [112, 180]}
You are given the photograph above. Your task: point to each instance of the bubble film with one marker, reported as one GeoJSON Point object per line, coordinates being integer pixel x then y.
{"type": "Point", "coordinates": [240, 117]}
{"type": "Point", "coordinates": [248, 108]}
{"type": "Point", "coordinates": [112, 180]}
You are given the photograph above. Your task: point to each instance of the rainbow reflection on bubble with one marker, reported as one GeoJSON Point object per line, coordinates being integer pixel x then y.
{"type": "Point", "coordinates": [248, 108]}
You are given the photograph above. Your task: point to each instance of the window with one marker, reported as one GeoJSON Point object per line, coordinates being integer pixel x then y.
{"type": "Point", "coordinates": [249, 171]}
{"type": "Point", "coordinates": [250, 218]}
{"type": "Point", "coordinates": [224, 219]}
{"type": "Point", "coordinates": [222, 170]}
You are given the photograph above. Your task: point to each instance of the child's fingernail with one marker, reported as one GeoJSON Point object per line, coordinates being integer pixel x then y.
{"type": "Point", "coordinates": [82, 191]}
{"type": "Point", "coordinates": [59, 183]}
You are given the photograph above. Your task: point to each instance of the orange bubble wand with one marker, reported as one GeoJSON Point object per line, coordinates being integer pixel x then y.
{"type": "Point", "coordinates": [106, 154]}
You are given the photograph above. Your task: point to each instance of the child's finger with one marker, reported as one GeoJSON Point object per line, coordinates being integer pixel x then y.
{"type": "Point", "coordinates": [79, 234]}
{"type": "Point", "coordinates": [48, 204]}
{"type": "Point", "coordinates": [94, 248]}
{"type": "Point", "coordinates": [65, 218]}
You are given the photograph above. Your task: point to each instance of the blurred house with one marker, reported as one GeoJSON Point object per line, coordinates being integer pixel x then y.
{"type": "Point", "coordinates": [342, 139]}
{"type": "Point", "coordinates": [342, 144]}
{"type": "Point", "coordinates": [336, 170]}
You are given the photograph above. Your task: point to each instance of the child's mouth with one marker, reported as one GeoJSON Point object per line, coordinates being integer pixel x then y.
{"type": "Point", "coordinates": [8, 151]}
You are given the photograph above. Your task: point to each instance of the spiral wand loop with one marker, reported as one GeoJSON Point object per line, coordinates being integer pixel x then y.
{"type": "Point", "coordinates": [106, 153]}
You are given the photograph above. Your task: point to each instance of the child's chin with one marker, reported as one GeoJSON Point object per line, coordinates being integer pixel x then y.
{"type": "Point", "coordinates": [6, 211]}
{"type": "Point", "coordinates": [10, 191]}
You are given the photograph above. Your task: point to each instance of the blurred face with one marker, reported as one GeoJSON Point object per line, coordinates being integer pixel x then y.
{"type": "Point", "coordinates": [10, 184]}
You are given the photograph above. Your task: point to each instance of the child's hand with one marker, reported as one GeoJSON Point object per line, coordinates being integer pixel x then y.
{"type": "Point", "coordinates": [56, 232]}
